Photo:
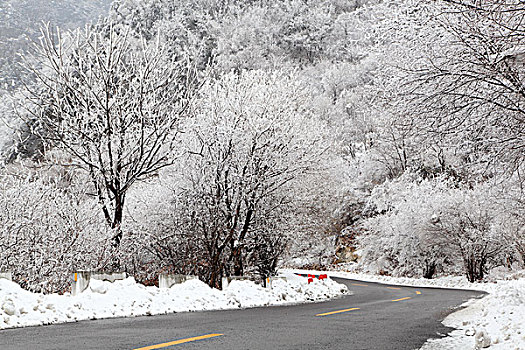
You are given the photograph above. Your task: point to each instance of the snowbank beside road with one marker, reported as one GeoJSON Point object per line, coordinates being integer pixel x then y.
{"type": "Point", "coordinates": [20, 308]}
{"type": "Point", "coordinates": [497, 321]}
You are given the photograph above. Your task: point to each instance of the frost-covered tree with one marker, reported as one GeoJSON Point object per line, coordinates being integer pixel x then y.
{"type": "Point", "coordinates": [467, 223]}
{"type": "Point", "coordinates": [249, 34]}
{"type": "Point", "coordinates": [396, 240]}
{"type": "Point", "coordinates": [470, 91]}
{"type": "Point", "coordinates": [112, 103]}
{"type": "Point", "coordinates": [249, 144]}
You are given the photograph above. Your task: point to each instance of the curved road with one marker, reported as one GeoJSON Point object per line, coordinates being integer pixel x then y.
{"type": "Point", "coordinates": [376, 316]}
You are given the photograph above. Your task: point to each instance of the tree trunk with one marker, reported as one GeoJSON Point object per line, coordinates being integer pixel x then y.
{"type": "Point", "coordinates": [475, 268]}
{"type": "Point", "coordinates": [238, 266]}
{"type": "Point", "coordinates": [237, 251]}
{"type": "Point", "coordinates": [215, 280]}
{"type": "Point", "coordinates": [430, 269]}
{"type": "Point", "coordinates": [117, 219]}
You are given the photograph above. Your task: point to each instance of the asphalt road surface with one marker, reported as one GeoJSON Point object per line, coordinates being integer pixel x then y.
{"type": "Point", "coordinates": [376, 316]}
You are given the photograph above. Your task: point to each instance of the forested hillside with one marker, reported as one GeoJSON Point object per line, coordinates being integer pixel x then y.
{"type": "Point", "coordinates": [217, 137]}
{"type": "Point", "coordinates": [20, 22]}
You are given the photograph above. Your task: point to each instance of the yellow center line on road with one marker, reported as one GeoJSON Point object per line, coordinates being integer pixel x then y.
{"type": "Point", "coordinates": [393, 288]}
{"type": "Point", "coordinates": [359, 284]}
{"type": "Point", "coordinates": [180, 341]}
{"type": "Point", "coordinates": [337, 312]}
{"type": "Point", "coordinates": [406, 298]}
{"type": "Point", "coordinates": [418, 292]}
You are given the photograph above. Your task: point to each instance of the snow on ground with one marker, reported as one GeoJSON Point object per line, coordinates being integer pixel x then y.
{"type": "Point", "coordinates": [20, 308]}
{"type": "Point", "coordinates": [497, 321]}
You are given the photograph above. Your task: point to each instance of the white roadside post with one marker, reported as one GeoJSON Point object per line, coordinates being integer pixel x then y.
{"type": "Point", "coordinates": [167, 280]}
{"type": "Point", "coordinates": [6, 275]}
{"type": "Point", "coordinates": [81, 279]}
{"type": "Point", "coordinates": [80, 282]}
{"type": "Point", "coordinates": [109, 276]}
{"type": "Point", "coordinates": [227, 280]}
{"type": "Point", "coordinates": [269, 281]}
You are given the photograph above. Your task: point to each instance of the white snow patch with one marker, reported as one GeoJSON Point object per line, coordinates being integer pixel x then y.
{"type": "Point", "coordinates": [125, 298]}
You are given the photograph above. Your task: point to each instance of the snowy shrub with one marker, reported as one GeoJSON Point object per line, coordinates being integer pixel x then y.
{"type": "Point", "coordinates": [160, 232]}
{"type": "Point", "coordinates": [427, 225]}
{"type": "Point", "coordinates": [396, 243]}
{"type": "Point", "coordinates": [465, 222]}
{"type": "Point", "coordinates": [511, 224]}
{"type": "Point", "coordinates": [46, 232]}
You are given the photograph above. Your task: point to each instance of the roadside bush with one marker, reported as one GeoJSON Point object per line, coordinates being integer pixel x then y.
{"type": "Point", "coordinates": [47, 232]}
{"type": "Point", "coordinates": [426, 226]}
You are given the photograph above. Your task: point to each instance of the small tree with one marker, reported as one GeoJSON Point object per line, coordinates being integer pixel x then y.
{"type": "Point", "coordinates": [112, 103]}
{"type": "Point", "coordinates": [264, 251]}
{"type": "Point", "coordinates": [431, 224]}
{"type": "Point", "coordinates": [396, 241]}
{"type": "Point", "coordinates": [471, 234]}
{"type": "Point", "coordinates": [465, 220]}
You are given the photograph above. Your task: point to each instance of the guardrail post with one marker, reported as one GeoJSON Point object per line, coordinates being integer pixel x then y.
{"type": "Point", "coordinates": [80, 279]}
{"type": "Point", "coordinates": [227, 280]}
{"type": "Point", "coordinates": [109, 276]}
{"type": "Point", "coordinates": [8, 275]}
{"type": "Point", "coordinates": [268, 281]}
{"type": "Point", "coordinates": [167, 280]}
{"type": "Point", "coordinates": [80, 282]}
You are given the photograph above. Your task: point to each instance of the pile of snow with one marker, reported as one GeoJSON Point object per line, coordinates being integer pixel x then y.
{"type": "Point", "coordinates": [20, 308]}
{"type": "Point", "coordinates": [497, 321]}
